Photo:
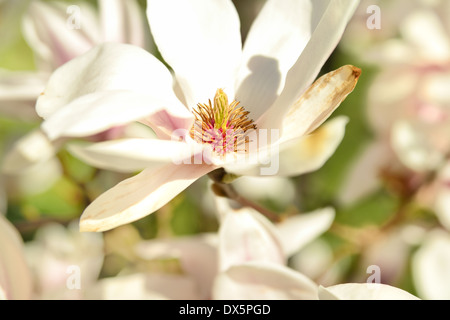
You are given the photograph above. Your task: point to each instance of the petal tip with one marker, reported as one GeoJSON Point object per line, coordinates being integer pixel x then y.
{"type": "Point", "coordinates": [87, 225]}
{"type": "Point", "coordinates": [355, 71]}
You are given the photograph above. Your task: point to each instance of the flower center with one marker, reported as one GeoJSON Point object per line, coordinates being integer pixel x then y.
{"type": "Point", "coordinates": [222, 125]}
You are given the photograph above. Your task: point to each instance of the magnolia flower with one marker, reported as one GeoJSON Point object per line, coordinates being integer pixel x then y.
{"type": "Point", "coordinates": [57, 32]}
{"type": "Point", "coordinates": [248, 260]}
{"type": "Point", "coordinates": [248, 254]}
{"type": "Point", "coordinates": [225, 100]}
{"type": "Point", "coordinates": [253, 255]}
{"type": "Point", "coordinates": [15, 277]}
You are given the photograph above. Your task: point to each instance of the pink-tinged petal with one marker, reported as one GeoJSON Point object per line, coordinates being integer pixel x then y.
{"type": "Point", "coordinates": [318, 102]}
{"type": "Point", "coordinates": [110, 85]}
{"type": "Point", "coordinates": [122, 21]}
{"type": "Point", "coordinates": [245, 235]}
{"type": "Point", "coordinates": [49, 31]}
{"type": "Point", "coordinates": [324, 39]}
{"type": "Point", "coordinates": [15, 277]}
{"type": "Point", "coordinates": [364, 291]}
{"type": "Point", "coordinates": [363, 176]}
{"type": "Point", "coordinates": [201, 41]}
{"type": "Point", "coordinates": [139, 196]}
{"type": "Point", "coordinates": [275, 41]}
{"type": "Point", "coordinates": [297, 231]}
{"type": "Point", "coordinates": [131, 155]}
{"type": "Point", "coordinates": [430, 267]}
{"type": "Point", "coordinates": [263, 281]}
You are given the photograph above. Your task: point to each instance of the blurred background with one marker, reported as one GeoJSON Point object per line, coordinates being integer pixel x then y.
{"type": "Point", "coordinates": [389, 181]}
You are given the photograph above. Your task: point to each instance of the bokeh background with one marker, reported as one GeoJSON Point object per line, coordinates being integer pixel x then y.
{"type": "Point", "coordinates": [388, 181]}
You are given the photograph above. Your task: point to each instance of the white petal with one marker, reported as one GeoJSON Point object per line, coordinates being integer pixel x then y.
{"type": "Point", "coordinates": [430, 267]}
{"type": "Point", "coordinates": [15, 277]}
{"type": "Point", "coordinates": [201, 41]}
{"type": "Point", "coordinates": [49, 31]}
{"type": "Point", "coordinates": [442, 206]}
{"type": "Point", "coordinates": [139, 196]}
{"type": "Point", "coordinates": [131, 155]}
{"type": "Point", "coordinates": [275, 41]}
{"type": "Point", "coordinates": [413, 148]}
{"type": "Point", "coordinates": [363, 176]}
{"type": "Point", "coordinates": [333, 18]}
{"type": "Point", "coordinates": [363, 291]}
{"type": "Point", "coordinates": [29, 150]}
{"type": "Point", "coordinates": [310, 153]}
{"type": "Point", "coordinates": [319, 101]}
{"type": "Point", "coordinates": [435, 88]}
{"type": "Point", "coordinates": [293, 157]}
{"type": "Point", "coordinates": [110, 85]}
{"type": "Point", "coordinates": [257, 281]}
{"type": "Point", "coordinates": [424, 29]}
{"type": "Point", "coordinates": [122, 21]}
{"type": "Point", "coordinates": [297, 231]}
{"type": "Point", "coordinates": [245, 235]}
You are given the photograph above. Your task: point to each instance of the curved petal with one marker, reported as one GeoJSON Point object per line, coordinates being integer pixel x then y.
{"type": "Point", "coordinates": [310, 153]}
{"type": "Point", "coordinates": [201, 41]}
{"type": "Point", "coordinates": [139, 196]}
{"type": "Point", "coordinates": [275, 41]}
{"type": "Point", "coordinates": [131, 155]}
{"type": "Point", "coordinates": [245, 235]}
{"type": "Point", "coordinates": [430, 265]}
{"type": "Point", "coordinates": [47, 29]}
{"type": "Point", "coordinates": [364, 291]}
{"type": "Point", "coordinates": [332, 22]}
{"type": "Point", "coordinates": [319, 101]}
{"type": "Point", "coordinates": [112, 84]}
{"type": "Point", "coordinates": [15, 277]}
{"type": "Point", "coordinates": [257, 281]}
{"type": "Point", "coordinates": [297, 231]}
{"type": "Point", "coordinates": [296, 156]}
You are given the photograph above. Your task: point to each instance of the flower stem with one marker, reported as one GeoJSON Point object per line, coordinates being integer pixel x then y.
{"type": "Point", "coordinates": [226, 190]}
